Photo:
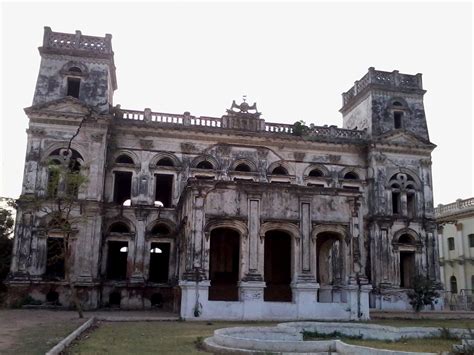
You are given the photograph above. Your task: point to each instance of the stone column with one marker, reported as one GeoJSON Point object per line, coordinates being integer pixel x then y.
{"type": "Point", "coordinates": [139, 250]}
{"type": "Point", "coordinates": [252, 285]}
{"type": "Point", "coordinates": [459, 240]}
{"type": "Point", "coordinates": [194, 299]}
{"type": "Point", "coordinates": [255, 245]}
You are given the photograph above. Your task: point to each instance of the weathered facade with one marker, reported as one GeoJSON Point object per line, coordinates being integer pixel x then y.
{"type": "Point", "coordinates": [231, 217]}
{"type": "Point", "coordinates": [456, 252]}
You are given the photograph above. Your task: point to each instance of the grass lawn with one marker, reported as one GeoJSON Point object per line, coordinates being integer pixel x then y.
{"type": "Point", "coordinates": [179, 337]}
{"type": "Point", "coordinates": [150, 337]}
{"type": "Point", "coordinates": [436, 323]}
{"type": "Point", "coordinates": [38, 339]}
{"type": "Point", "coordinates": [433, 345]}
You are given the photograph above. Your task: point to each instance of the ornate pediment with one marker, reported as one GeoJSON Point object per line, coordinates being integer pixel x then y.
{"type": "Point", "coordinates": [65, 105]}
{"type": "Point", "coordinates": [244, 109]}
{"type": "Point", "coordinates": [403, 138]}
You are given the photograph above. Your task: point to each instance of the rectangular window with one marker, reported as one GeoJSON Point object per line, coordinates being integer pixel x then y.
{"type": "Point", "coordinates": [73, 85]}
{"type": "Point", "coordinates": [395, 202]}
{"type": "Point", "coordinates": [159, 262]}
{"type": "Point", "coordinates": [117, 260]}
{"type": "Point", "coordinates": [397, 119]}
{"type": "Point", "coordinates": [164, 189]}
{"type": "Point", "coordinates": [471, 240]}
{"type": "Point", "coordinates": [54, 258]}
{"type": "Point", "coordinates": [411, 205]}
{"type": "Point", "coordinates": [451, 243]}
{"type": "Point", "coordinates": [122, 186]}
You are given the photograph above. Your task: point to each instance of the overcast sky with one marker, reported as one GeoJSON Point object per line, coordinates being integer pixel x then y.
{"type": "Point", "coordinates": [293, 59]}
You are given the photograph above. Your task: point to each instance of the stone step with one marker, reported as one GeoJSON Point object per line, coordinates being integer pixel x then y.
{"type": "Point", "coordinates": [210, 345]}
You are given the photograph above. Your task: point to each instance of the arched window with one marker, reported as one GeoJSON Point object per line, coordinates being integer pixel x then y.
{"type": "Point", "coordinates": [243, 167]}
{"type": "Point", "coordinates": [351, 176]}
{"type": "Point", "coordinates": [160, 229]}
{"type": "Point", "coordinates": [119, 227]}
{"type": "Point", "coordinates": [64, 166]}
{"type": "Point", "coordinates": [400, 184]}
{"type": "Point", "coordinates": [165, 162]}
{"type": "Point", "coordinates": [316, 173]}
{"type": "Point", "coordinates": [124, 159]}
{"type": "Point", "coordinates": [280, 170]}
{"type": "Point", "coordinates": [453, 284]}
{"type": "Point", "coordinates": [205, 165]}
{"type": "Point", "coordinates": [75, 70]}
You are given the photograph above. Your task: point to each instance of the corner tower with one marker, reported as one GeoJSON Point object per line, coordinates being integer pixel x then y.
{"type": "Point", "coordinates": [78, 66]}
{"type": "Point", "coordinates": [382, 102]}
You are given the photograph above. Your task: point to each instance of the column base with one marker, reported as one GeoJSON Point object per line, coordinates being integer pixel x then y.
{"type": "Point", "coordinates": [194, 298]}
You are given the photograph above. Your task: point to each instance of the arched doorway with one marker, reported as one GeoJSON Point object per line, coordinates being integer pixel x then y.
{"type": "Point", "coordinates": [407, 260]}
{"type": "Point", "coordinates": [330, 267]}
{"type": "Point", "coordinates": [224, 263]}
{"type": "Point", "coordinates": [277, 267]}
{"type": "Point", "coordinates": [329, 259]}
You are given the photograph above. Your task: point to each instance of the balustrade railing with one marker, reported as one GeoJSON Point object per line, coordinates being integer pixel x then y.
{"type": "Point", "coordinates": [454, 207]}
{"type": "Point", "coordinates": [187, 119]}
{"type": "Point", "coordinates": [77, 41]}
{"type": "Point", "coordinates": [392, 79]}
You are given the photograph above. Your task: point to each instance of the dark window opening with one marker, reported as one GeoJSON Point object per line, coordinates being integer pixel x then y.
{"type": "Point", "coordinates": [75, 70]}
{"type": "Point", "coordinates": [117, 260]}
{"type": "Point", "coordinates": [397, 103]}
{"type": "Point", "coordinates": [159, 262]}
{"type": "Point", "coordinates": [316, 185]}
{"type": "Point", "coordinates": [279, 170]}
{"type": "Point", "coordinates": [405, 239]}
{"type": "Point", "coordinates": [156, 300]}
{"type": "Point", "coordinates": [471, 240]}
{"type": "Point", "coordinates": [160, 230]}
{"type": "Point", "coordinates": [243, 179]}
{"type": "Point", "coordinates": [354, 188]}
{"type": "Point", "coordinates": [351, 176]}
{"type": "Point", "coordinates": [242, 167]}
{"type": "Point", "coordinates": [395, 202]}
{"type": "Point", "coordinates": [114, 299]}
{"type": "Point", "coordinates": [164, 189]}
{"type": "Point", "coordinates": [277, 267]}
{"type": "Point", "coordinates": [407, 269]}
{"type": "Point", "coordinates": [73, 86]}
{"type": "Point", "coordinates": [52, 297]}
{"type": "Point", "coordinates": [205, 165]}
{"type": "Point", "coordinates": [124, 159]}
{"type": "Point", "coordinates": [224, 265]}
{"type": "Point", "coordinates": [454, 284]}
{"type": "Point", "coordinates": [165, 162]}
{"type": "Point", "coordinates": [316, 173]}
{"type": "Point", "coordinates": [203, 177]}
{"type": "Point", "coordinates": [55, 258]}
{"type": "Point", "coordinates": [397, 119]}
{"type": "Point", "coordinates": [411, 208]}
{"type": "Point", "coordinates": [119, 227]}
{"type": "Point", "coordinates": [451, 243]}
{"type": "Point", "coordinates": [122, 186]}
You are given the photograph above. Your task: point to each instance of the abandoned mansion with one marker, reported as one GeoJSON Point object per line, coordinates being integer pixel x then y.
{"type": "Point", "coordinates": [228, 217]}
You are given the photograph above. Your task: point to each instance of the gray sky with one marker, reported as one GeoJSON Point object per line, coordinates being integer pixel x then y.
{"type": "Point", "coordinates": [293, 59]}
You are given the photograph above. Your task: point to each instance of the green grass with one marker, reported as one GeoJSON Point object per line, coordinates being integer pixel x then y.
{"type": "Point", "coordinates": [432, 345]}
{"type": "Point", "coordinates": [437, 323]}
{"type": "Point", "coordinates": [40, 338]}
{"type": "Point", "coordinates": [180, 337]}
{"type": "Point", "coordinates": [150, 337]}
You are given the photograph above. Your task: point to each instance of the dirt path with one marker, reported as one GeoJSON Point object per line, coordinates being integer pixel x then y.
{"type": "Point", "coordinates": [12, 321]}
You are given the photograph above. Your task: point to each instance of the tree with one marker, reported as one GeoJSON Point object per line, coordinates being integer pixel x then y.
{"type": "Point", "coordinates": [299, 128]}
{"type": "Point", "coordinates": [6, 244]}
{"type": "Point", "coordinates": [61, 204]}
{"type": "Point", "coordinates": [424, 293]}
